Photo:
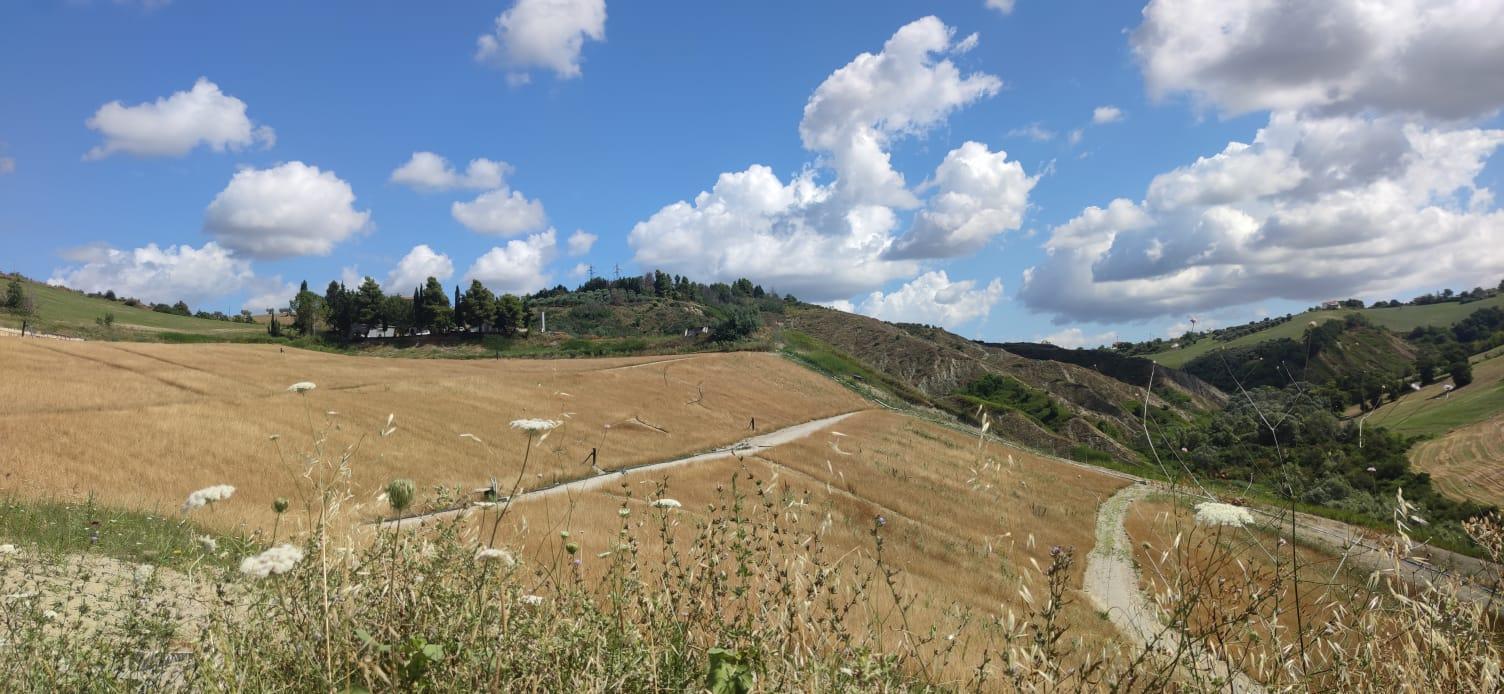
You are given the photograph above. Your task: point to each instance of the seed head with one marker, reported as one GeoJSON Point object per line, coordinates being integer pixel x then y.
{"type": "Point", "coordinates": [400, 493]}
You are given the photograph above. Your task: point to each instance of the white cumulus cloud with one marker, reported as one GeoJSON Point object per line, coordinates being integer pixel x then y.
{"type": "Point", "coordinates": [420, 263]}
{"type": "Point", "coordinates": [1103, 115]}
{"type": "Point", "coordinates": [828, 240]}
{"type": "Point", "coordinates": [1440, 58]}
{"type": "Point", "coordinates": [517, 267]}
{"type": "Point", "coordinates": [931, 298]}
{"type": "Point", "coordinates": [503, 212]}
{"type": "Point", "coordinates": [542, 34]}
{"type": "Point", "coordinates": [172, 126]}
{"type": "Point", "coordinates": [1003, 6]}
{"type": "Point", "coordinates": [160, 275]}
{"type": "Point", "coordinates": [978, 195]}
{"type": "Point", "coordinates": [1313, 207]}
{"type": "Point", "coordinates": [427, 171]}
{"type": "Point", "coordinates": [580, 242]}
{"type": "Point", "coordinates": [288, 210]}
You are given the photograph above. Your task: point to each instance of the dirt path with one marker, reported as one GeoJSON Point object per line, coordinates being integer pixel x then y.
{"type": "Point", "coordinates": [747, 446]}
{"type": "Point", "coordinates": [1112, 584]}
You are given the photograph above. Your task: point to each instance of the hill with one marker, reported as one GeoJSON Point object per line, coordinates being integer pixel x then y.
{"type": "Point", "coordinates": [1054, 406]}
{"type": "Point", "coordinates": [1400, 319]}
{"type": "Point", "coordinates": [63, 311]}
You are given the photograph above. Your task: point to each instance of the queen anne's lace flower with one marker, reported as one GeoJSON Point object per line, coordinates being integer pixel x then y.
{"type": "Point", "coordinates": [499, 556]}
{"type": "Point", "coordinates": [533, 426]}
{"type": "Point", "coordinates": [277, 560]}
{"type": "Point", "coordinates": [1211, 513]}
{"type": "Point", "coordinates": [301, 387]}
{"type": "Point", "coordinates": [531, 600]}
{"type": "Point", "coordinates": [667, 503]}
{"type": "Point", "coordinates": [207, 495]}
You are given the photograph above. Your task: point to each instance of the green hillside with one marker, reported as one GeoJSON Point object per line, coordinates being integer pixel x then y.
{"type": "Point", "coordinates": [1433, 411]}
{"type": "Point", "coordinates": [1399, 319]}
{"type": "Point", "coordinates": [61, 311]}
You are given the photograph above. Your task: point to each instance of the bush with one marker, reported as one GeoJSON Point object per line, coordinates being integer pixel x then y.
{"type": "Point", "coordinates": [1462, 373]}
{"type": "Point", "coordinates": [740, 322]}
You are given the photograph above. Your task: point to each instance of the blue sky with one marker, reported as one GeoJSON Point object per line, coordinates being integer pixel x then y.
{"type": "Point", "coordinates": [1367, 171]}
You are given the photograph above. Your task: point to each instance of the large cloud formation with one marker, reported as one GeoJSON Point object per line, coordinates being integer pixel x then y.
{"type": "Point", "coordinates": [518, 266]}
{"type": "Point", "coordinates": [159, 275]}
{"type": "Point", "coordinates": [1313, 208]}
{"type": "Point", "coordinates": [546, 34]}
{"type": "Point", "coordinates": [1364, 181]}
{"type": "Point", "coordinates": [827, 240]}
{"type": "Point", "coordinates": [933, 299]}
{"type": "Point", "coordinates": [172, 126]}
{"type": "Point", "coordinates": [1441, 58]}
{"type": "Point", "coordinates": [420, 263]}
{"type": "Point", "coordinates": [289, 210]}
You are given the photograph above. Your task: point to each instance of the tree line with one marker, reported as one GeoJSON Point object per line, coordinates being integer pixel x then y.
{"type": "Point", "coordinates": [340, 310]}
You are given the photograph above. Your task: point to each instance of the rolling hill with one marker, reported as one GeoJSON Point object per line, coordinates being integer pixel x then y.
{"type": "Point", "coordinates": [1399, 319]}
{"type": "Point", "coordinates": [70, 313]}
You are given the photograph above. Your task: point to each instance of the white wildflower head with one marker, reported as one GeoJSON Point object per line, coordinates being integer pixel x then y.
{"type": "Point", "coordinates": [534, 600]}
{"type": "Point", "coordinates": [534, 426]}
{"type": "Point", "coordinates": [208, 544]}
{"type": "Point", "coordinates": [499, 556]}
{"type": "Point", "coordinates": [277, 560]}
{"type": "Point", "coordinates": [207, 495]}
{"type": "Point", "coordinates": [301, 387]}
{"type": "Point", "coordinates": [666, 503]}
{"type": "Point", "coordinates": [1211, 513]}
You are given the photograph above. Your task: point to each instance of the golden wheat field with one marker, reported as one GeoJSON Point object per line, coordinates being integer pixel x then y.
{"type": "Point", "coordinates": [1467, 463]}
{"type": "Point", "coordinates": [965, 524]}
{"type": "Point", "coordinates": [143, 425]}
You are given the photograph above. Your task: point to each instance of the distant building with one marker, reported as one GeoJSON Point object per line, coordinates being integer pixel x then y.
{"type": "Point", "coordinates": [1331, 305]}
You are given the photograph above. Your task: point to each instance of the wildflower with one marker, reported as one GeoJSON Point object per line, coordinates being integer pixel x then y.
{"type": "Point", "coordinates": [209, 544]}
{"type": "Point", "coordinates": [666, 503]}
{"type": "Point", "coordinates": [500, 556]}
{"type": "Point", "coordinates": [399, 494]}
{"type": "Point", "coordinates": [207, 495]}
{"type": "Point", "coordinates": [534, 600]}
{"type": "Point", "coordinates": [280, 505]}
{"type": "Point", "coordinates": [301, 387]}
{"type": "Point", "coordinates": [881, 521]}
{"type": "Point", "coordinates": [1212, 513]}
{"type": "Point", "coordinates": [623, 512]}
{"type": "Point", "coordinates": [533, 426]}
{"type": "Point", "coordinates": [49, 615]}
{"type": "Point", "coordinates": [571, 548]}
{"type": "Point", "coordinates": [277, 560]}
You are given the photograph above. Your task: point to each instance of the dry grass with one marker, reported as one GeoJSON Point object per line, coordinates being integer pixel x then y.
{"type": "Point", "coordinates": [1466, 463]}
{"type": "Point", "coordinates": [964, 539]}
{"type": "Point", "coordinates": [1172, 553]}
{"type": "Point", "coordinates": [142, 425]}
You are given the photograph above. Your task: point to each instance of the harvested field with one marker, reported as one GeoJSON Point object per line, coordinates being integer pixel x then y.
{"type": "Point", "coordinates": [964, 537]}
{"type": "Point", "coordinates": [142, 425]}
{"type": "Point", "coordinates": [1467, 463]}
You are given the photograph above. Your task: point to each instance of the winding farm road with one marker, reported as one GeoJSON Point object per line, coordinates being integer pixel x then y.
{"type": "Point", "coordinates": [1112, 584]}
{"type": "Point", "coordinates": [744, 447]}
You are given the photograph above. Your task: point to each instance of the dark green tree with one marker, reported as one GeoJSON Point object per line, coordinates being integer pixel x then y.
{"type": "Point", "coordinates": [478, 308]}
{"type": "Point", "coordinates": [1462, 373]}
{"type": "Point", "coordinates": [436, 309]}
{"type": "Point", "coordinates": [739, 322]}
{"type": "Point", "coordinates": [510, 316]}
{"type": "Point", "coordinates": [339, 310]}
{"type": "Point", "coordinates": [305, 310]}
{"type": "Point", "coordinates": [397, 312]}
{"type": "Point", "coordinates": [369, 301]}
